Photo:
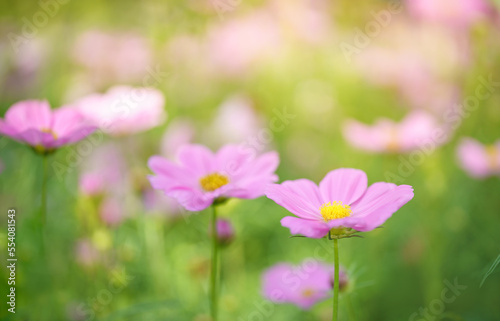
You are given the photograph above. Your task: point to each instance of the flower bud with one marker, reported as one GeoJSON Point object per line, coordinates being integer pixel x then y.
{"type": "Point", "coordinates": [225, 232]}
{"type": "Point", "coordinates": [343, 279]}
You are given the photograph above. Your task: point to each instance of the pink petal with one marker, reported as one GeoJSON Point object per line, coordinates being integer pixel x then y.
{"type": "Point", "coordinates": [66, 120]}
{"type": "Point", "coordinates": [255, 177]}
{"type": "Point", "coordinates": [380, 201]}
{"type": "Point", "coordinates": [198, 159]}
{"type": "Point", "coordinates": [309, 228]}
{"type": "Point", "coordinates": [289, 196]}
{"type": "Point", "coordinates": [29, 114]}
{"type": "Point", "coordinates": [473, 158]}
{"type": "Point", "coordinates": [343, 184]}
{"type": "Point", "coordinates": [169, 174]}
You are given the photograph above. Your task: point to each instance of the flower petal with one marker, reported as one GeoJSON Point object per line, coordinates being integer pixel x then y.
{"type": "Point", "coordinates": [197, 158]}
{"type": "Point", "coordinates": [343, 184]}
{"type": "Point", "coordinates": [289, 196]}
{"type": "Point", "coordinates": [29, 114]}
{"type": "Point", "coordinates": [169, 174]}
{"type": "Point", "coordinates": [380, 201]}
{"type": "Point", "coordinates": [309, 228]}
{"type": "Point", "coordinates": [255, 177]}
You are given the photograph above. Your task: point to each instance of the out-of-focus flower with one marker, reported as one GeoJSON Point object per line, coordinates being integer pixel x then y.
{"type": "Point", "coordinates": [104, 171]}
{"type": "Point", "coordinates": [201, 177]}
{"type": "Point", "coordinates": [420, 62]}
{"type": "Point", "coordinates": [225, 231]}
{"type": "Point", "coordinates": [340, 204]}
{"type": "Point", "coordinates": [477, 159]}
{"type": "Point", "coordinates": [86, 253]}
{"type": "Point", "coordinates": [237, 44]}
{"type": "Point", "coordinates": [306, 19]}
{"type": "Point", "coordinates": [457, 14]}
{"type": "Point", "coordinates": [156, 203]}
{"type": "Point", "coordinates": [34, 123]}
{"type": "Point", "coordinates": [235, 121]}
{"type": "Point", "coordinates": [124, 110]}
{"type": "Point", "coordinates": [416, 129]}
{"type": "Point", "coordinates": [111, 211]}
{"type": "Point", "coordinates": [20, 66]}
{"type": "Point", "coordinates": [179, 132]}
{"type": "Point", "coordinates": [113, 57]}
{"type": "Point", "coordinates": [303, 285]}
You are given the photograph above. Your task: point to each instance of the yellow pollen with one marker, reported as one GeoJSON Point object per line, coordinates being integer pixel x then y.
{"type": "Point", "coordinates": [307, 293]}
{"type": "Point", "coordinates": [335, 210]}
{"type": "Point", "coordinates": [393, 143]}
{"type": "Point", "coordinates": [493, 155]}
{"type": "Point", "coordinates": [49, 131]}
{"type": "Point", "coordinates": [213, 181]}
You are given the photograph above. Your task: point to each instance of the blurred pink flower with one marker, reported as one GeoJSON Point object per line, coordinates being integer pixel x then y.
{"type": "Point", "coordinates": [156, 203]}
{"type": "Point", "coordinates": [477, 159]}
{"type": "Point", "coordinates": [179, 132]}
{"type": "Point", "coordinates": [104, 171]}
{"type": "Point", "coordinates": [455, 13]}
{"type": "Point", "coordinates": [112, 211]}
{"type": "Point", "coordinates": [236, 121]}
{"type": "Point", "coordinates": [235, 45]}
{"type": "Point", "coordinates": [124, 110]}
{"type": "Point", "coordinates": [420, 61]}
{"type": "Point", "coordinates": [86, 253]}
{"type": "Point", "coordinates": [201, 176]}
{"type": "Point", "coordinates": [225, 231]}
{"type": "Point", "coordinates": [307, 19]}
{"type": "Point", "coordinates": [34, 123]}
{"type": "Point", "coordinates": [342, 200]}
{"type": "Point", "coordinates": [303, 285]}
{"type": "Point", "coordinates": [113, 57]}
{"type": "Point", "coordinates": [386, 135]}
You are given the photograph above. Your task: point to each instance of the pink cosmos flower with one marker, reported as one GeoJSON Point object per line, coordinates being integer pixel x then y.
{"type": "Point", "coordinates": [303, 285]}
{"type": "Point", "coordinates": [34, 123]}
{"type": "Point", "coordinates": [386, 135]}
{"type": "Point", "coordinates": [454, 13]}
{"type": "Point", "coordinates": [124, 110]}
{"type": "Point", "coordinates": [342, 200]}
{"type": "Point", "coordinates": [479, 160]}
{"type": "Point", "coordinates": [200, 176]}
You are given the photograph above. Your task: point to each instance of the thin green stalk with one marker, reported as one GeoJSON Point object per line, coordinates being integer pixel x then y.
{"type": "Point", "coordinates": [213, 278]}
{"type": "Point", "coordinates": [45, 173]}
{"type": "Point", "coordinates": [336, 280]}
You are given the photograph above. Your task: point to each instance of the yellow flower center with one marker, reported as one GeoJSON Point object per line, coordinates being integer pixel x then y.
{"type": "Point", "coordinates": [492, 156]}
{"type": "Point", "coordinates": [393, 143]}
{"type": "Point", "coordinates": [335, 210]}
{"type": "Point", "coordinates": [307, 293]}
{"type": "Point", "coordinates": [213, 181]}
{"type": "Point", "coordinates": [49, 131]}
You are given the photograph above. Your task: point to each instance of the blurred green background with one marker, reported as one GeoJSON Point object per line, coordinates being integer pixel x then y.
{"type": "Point", "coordinates": [282, 56]}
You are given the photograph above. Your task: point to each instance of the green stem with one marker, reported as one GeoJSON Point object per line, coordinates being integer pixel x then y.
{"type": "Point", "coordinates": [336, 280]}
{"type": "Point", "coordinates": [214, 269]}
{"type": "Point", "coordinates": [43, 211]}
